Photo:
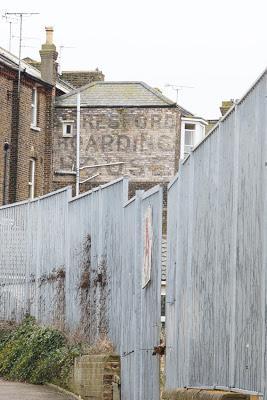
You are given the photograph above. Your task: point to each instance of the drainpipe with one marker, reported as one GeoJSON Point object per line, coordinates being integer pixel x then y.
{"type": "Point", "coordinates": [78, 144]}
{"type": "Point", "coordinates": [6, 148]}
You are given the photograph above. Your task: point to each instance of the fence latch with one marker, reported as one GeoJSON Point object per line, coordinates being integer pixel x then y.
{"type": "Point", "coordinates": [159, 349]}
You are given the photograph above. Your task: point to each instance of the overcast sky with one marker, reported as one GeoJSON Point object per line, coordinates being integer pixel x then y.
{"type": "Point", "coordinates": [217, 47]}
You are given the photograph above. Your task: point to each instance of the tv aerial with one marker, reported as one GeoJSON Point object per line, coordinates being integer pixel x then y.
{"type": "Point", "coordinates": [177, 89]}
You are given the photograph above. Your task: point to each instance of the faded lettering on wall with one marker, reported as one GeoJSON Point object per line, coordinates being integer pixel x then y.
{"type": "Point", "coordinates": [137, 143]}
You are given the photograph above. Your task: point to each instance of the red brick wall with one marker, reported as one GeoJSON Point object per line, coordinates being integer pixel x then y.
{"type": "Point", "coordinates": [6, 86]}
{"type": "Point", "coordinates": [25, 143]}
{"type": "Point", "coordinates": [81, 78]}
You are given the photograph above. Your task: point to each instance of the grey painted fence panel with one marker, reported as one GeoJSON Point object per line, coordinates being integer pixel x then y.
{"type": "Point", "coordinates": [250, 237]}
{"type": "Point", "coordinates": [111, 253]}
{"type": "Point", "coordinates": [223, 276]}
{"type": "Point", "coordinates": [178, 322]}
{"type": "Point", "coordinates": [141, 306]}
{"type": "Point", "coordinates": [52, 257]}
{"type": "Point", "coordinates": [150, 300]}
{"type": "Point", "coordinates": [130, 310]}
{"type": "Point", "coordinates": [77, 290]}
{"type": "Point", "coordinates": [95, 221]}
{"type": "Point", "coordinates": [217, 254]}
{"type": "Point", "coordinates": [172, 223]}
{"type": "Point", "coordinates": [203, 260]}
{"type": "Point", "coordinates": [94, 274]}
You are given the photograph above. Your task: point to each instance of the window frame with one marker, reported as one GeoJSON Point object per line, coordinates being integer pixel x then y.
{"type": "Point", "coordinates": [31, 178]}
{"type": "Point", "coordinates": [197, 134]}
{"type": "Point", "coordinates": [34, 108]}
{"type": "Point", "coordinates": [65, 123]}
{"type": "Point", "coordinates": [192, 132]}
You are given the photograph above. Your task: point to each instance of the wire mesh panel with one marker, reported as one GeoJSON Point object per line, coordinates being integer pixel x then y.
{"type": "Point", "coordinates": [216, 321]}
{"type": "Point", "coordinates": [33, 258]}
{"type": "Point", "coordinates": [13, 261]}
{"type": "Point", "coordinates": [32, 283]}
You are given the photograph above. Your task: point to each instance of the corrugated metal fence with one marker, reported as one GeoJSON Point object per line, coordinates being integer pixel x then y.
{"type": "Point", "coordinates": [93, 286]}
{"type": "Point", "coordinates": [85, 263]}
{"type": "Point", "coordinates": [217, 242]}
{"type": "Point", "coordinates": [78, 263]}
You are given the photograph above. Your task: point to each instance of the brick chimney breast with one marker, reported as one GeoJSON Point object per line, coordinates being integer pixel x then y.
{"type": "Point", "coordinates": [49, 55]}
{"type": "Point", "coordinates": [80, 78]}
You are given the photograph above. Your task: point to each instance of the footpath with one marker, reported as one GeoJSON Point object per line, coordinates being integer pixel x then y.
{"type": "Point", "coordinates": [25, 391]}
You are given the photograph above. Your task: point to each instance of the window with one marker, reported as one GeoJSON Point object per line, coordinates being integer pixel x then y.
{"type": "Point", "coordinates": [32, 178]}
{"type": "Point", "coordinates": [34, 107]}
{"type": "Point", "coordinates": [67, 128]}
{"type": "Point", "coordinates": [192, 133]}
{"type": "Point", "coordinates": [189, 134]}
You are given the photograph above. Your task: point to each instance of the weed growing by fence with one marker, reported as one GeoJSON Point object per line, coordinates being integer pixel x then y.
{"type": "Point", "coordinates": [6, 329]}
{"type": "Point", "coordinates": [102, 346]}
{"type": "Point", "coordinates": [36, 354]}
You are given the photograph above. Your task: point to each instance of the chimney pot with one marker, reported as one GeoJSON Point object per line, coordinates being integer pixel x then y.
{"type": "Point", "coordinates": [49, 34]}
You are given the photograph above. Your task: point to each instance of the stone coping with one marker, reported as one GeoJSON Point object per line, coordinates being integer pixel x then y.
{"type": "Point", "coordinates": [203, 394]}
{"type": "Point", "coordinates": [60, 389]}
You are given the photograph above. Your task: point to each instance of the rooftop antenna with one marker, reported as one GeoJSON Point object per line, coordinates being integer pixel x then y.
{"type": "Point", "coordinates": [61, 54]}
{"type": "Point", "coordinates": [26, 38]}
{"type": "Point", "coordinates": [10, 20]}
{"type": "Point", "coordinates": [19, 15]}
{"type": "Point", "coordinates": [177, 88]}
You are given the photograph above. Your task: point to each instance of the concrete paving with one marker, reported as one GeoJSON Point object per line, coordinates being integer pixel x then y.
{"type": "Point", "coordinates": [24, 391]}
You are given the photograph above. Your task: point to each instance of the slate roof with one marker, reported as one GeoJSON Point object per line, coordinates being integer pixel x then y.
{"type": "Point", "coordinates": [12, 61]}
{"type": "Point", "coordinates": [116, 94]}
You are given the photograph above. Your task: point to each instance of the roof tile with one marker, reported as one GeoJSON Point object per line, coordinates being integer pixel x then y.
{"type": "Point", "coordinates": [116, 94]}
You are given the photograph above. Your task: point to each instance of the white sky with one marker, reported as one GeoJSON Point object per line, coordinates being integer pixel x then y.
{"type": "Point", "coordinates": [218, 47]}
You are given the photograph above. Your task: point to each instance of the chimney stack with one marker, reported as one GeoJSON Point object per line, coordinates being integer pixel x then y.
{"type": "Point", "coordinates": [226, 105]}
{"type": "Point", "coordinates": [49, 55]}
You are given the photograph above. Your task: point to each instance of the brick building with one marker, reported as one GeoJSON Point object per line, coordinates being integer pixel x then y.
{"type": "Point", "coordinates": [26, 120]}
{"type": "Point", "coordinates": [127, 128]}
{"type": "Point", "coordinates": [26, 116]}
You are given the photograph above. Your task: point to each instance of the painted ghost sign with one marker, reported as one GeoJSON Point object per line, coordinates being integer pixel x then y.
{"type": "Point", "coordinates": [139, 143]}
